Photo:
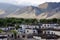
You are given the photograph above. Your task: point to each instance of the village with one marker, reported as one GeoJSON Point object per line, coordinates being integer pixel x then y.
{"type": "Point", "coordinates": [29, 19]}
{"type": "Point", "coordinates": [31, 32]}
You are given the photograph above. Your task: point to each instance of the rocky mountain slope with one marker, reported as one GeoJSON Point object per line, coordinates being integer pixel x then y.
{"type": "Point", "coordinates": [46, 10]}
{"type": "Point", "coordinates": [8, 9]}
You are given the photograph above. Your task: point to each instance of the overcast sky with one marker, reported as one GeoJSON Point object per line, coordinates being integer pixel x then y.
{"type": "Point", "coordinates": [27, 2]}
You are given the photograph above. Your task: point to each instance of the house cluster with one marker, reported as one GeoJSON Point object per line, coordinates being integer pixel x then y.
{"type": "Point", "coordinates": [28, 29]}
{"type": "Point", "coordinates": [52, 30]}
{"type": "Point", "coordinates": [7, 28]}
{"type": "Point", "coordinates": [52, 26]}
{"type": "Point", "coordinates": [32, 29]}
{"type": "Point", "coordinates": [3, 37]}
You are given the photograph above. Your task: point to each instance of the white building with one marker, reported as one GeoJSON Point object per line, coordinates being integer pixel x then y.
{"type": "Point", "coordinates": [31, 31]}
{"type": "Point", "coordinates": [28, 26]}
{"type": "Point", "coordinates": [27, 29]}
{"type": "Point", "coordinates": [3, 28]}
{"type": "Point", "coordinates": [50, 26]}
{"type": "Point", "coordinates": [51, 32]}
{"type": "Point", "coordinates": [3, 36]}
{"type": "Point", "coordinates": [7, 28]}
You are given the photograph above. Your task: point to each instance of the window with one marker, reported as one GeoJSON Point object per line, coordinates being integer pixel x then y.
{"type": "Point", "coordinates": [27, 31]}
{"type": "Point", "coordinates": [45, 25]}
{"type": "Point", "coordinates": [33, 31]}
{"type": "Point", "coordinates": [48, 25]}
{"type": "Point", "coordinates": [48, 32]}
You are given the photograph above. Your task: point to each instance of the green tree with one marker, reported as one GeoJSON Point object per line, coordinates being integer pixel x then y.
{"type": "Point", "coordinates": [17, 26]}
{"type": "Point", "coordinates": [54, 20]}
{"type": "Point", "coordinates": [1, 31]}
{"type": "Point", "coordinates": [14, 33]}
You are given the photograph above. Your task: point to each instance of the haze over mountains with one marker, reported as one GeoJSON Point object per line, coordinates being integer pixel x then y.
{"type": "Point", "coordinates": [7, 9]}
{"type": "Point", "coordinates": [46, 10]}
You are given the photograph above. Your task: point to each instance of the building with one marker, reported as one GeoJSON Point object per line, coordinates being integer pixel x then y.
{"type": "Point", "coordinates": [28, 26]}
{"type": "Point", "coordinates": [46, 26]}
{"type": "Point", "coordinates": [7, 28]}
{"type": "Point", "coordinates": [24, 28]}
{"type": "Point", "coordinates": [30, 31]}
{"type": "Point", "coordinates": [3, 36]}
{"type": "Point", "coordinates": [51, 32]}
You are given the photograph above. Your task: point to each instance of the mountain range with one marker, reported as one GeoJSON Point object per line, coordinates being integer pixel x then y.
{"type": "Point", "coordinates": [46, 10]}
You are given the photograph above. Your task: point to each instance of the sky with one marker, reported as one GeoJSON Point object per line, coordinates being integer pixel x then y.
{"type": "Point", "coordinates": [27, 2]}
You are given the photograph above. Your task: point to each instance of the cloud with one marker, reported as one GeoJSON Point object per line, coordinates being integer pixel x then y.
{"type": "Point", "coordinates": [27, 2]}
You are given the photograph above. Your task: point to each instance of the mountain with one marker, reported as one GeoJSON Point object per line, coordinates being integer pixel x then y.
{"type": "Point", "coordinates": [51, 9]}
{"type": "Point", "coordinates": [46, 10]}
{"type": "Point", "coordinates": [8, 8]}
{"type": "Point", "coordinates": [26, 12]}
{"type": "Point", "coordinates": [49, 6]}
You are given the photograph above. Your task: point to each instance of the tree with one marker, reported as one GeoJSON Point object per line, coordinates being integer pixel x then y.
{"type": "Point", "coordinates": [58, 21]}
{"type": "Point", "coordinates": [43, 21]}
{"type": "Point", "coordinates": [54, 20]}
{"type": "Point", "coordinates": [17, 26]}
{"type": "Point", "coordinates": [1, 31]}
{"type": "Point", "coordinates": [14, 33]}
